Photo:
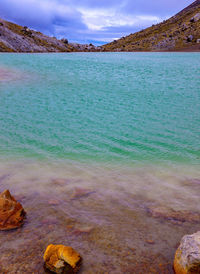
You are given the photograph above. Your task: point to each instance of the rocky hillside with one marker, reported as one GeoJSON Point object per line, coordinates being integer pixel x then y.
{"type": "Point", "coordinates": [179, 33]}
{"type": "Point", "coordinates": [15, 38]}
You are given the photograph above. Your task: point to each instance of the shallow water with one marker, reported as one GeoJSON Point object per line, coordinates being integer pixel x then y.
{"type": "Point", "coordinates": [99, 148]}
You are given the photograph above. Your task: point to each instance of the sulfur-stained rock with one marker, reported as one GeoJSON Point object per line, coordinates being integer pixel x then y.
{"type": "Point", "coordinates": [187, 257]}
{"type": "Point", "coordinates": [11, 212]}
{"type": "Point", "coordinates": [62, 259]}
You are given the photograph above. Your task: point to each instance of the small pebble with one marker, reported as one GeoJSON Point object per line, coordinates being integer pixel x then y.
{"type": "Point", "coordinates": [149, 241]}
{"type": "Point", "coordinates": [53, 202]}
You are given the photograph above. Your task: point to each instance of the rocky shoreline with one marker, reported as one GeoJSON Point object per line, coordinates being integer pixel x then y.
{"type": "Point", "coordinates": [59, 258]}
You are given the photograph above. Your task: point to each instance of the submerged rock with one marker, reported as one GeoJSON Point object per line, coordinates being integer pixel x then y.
{"type": "Point", "coordinates": [53, 202]}
{"type": "Point", "coordinates": [59, 182]}
{"type": "Point", "coordinates": [81, 192]}
{"type": "Point", "coordinates": [187, 257]}
{"type": "Point", "coordinates": [11, 212]}
{"type": "Point", "coordinates": [150, 241]}
{"type": "Point", "coordinates": [82, 229]}
{"type": "Point", "coordinates": [195, 181]}
{"type": "Point", "coordinates": [62, 259]}
{"type": "Point", "coordinates": [174, 215]}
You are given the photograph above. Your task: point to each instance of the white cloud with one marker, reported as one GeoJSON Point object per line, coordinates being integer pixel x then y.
{"type": "Point", "coordinates": [100, 19]}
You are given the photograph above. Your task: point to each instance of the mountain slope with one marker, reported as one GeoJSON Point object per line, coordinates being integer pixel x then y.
{"type": "Point", "coordinates": [15, 38]}
{"type": "Point", "coordinates": [180, 32]}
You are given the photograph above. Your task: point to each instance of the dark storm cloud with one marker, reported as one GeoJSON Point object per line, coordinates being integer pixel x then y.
{"type": "Point", "coordinates": [89, 20]}
{"type": "Point", "coordinates": [44, 15]}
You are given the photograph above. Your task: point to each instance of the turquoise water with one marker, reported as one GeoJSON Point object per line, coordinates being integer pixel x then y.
{"type": "Point", "coordinates": [101, 107]}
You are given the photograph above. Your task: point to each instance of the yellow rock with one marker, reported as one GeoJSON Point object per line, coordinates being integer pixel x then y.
{"type": "Point", "coordinates": [62, 259]}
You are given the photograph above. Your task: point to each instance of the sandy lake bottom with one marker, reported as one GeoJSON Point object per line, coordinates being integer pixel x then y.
{"type": "Point", "coordinates": [118, 218]}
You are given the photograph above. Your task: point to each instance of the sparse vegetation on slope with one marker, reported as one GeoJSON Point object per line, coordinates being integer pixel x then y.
{"type": "Point", "coordinates": [180, 32]}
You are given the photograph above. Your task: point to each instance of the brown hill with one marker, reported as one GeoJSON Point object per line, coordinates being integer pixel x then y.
{"type": "Point", "coordinates": [179, 33]}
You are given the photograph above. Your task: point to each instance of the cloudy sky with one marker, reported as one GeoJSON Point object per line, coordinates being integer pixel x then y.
{"type": "Point", "coordinates": [85, 21]}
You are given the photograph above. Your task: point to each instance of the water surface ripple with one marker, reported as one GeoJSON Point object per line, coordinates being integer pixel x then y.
{"type": "Point", "coordinates": [102, 107]}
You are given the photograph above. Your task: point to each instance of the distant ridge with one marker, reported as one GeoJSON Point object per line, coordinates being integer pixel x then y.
{"type": "Point", "coordinates": [15, 38]}
{"type": "Point", "coordinates": [179, 33]}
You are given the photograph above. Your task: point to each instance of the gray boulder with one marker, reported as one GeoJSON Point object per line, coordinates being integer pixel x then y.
{"type": "Point", "coordinates": [64, 40]}
{"type": "Point", "coordinates": [190, 38]}
{"type": "Point", "coordinates": [195, 18]}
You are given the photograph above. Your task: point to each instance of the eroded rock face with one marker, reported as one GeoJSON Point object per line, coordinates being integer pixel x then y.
{"type": "Point", "coordinates": [12, 213]}
{"type": "Point", "coordinates": [62, 259]}
{"type": "Point", "coordinates": [187, 257]}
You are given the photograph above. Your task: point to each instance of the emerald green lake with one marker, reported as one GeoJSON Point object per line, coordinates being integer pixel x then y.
{"type": "Point", "coordinates": [102, 107]}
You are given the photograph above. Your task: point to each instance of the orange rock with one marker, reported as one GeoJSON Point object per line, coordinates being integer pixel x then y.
{"type": "Point", "coordinates": [11, 212]}
{"type": "Point", "coordinates": [62, 259]}
{"type": "Point", "coordinates": [150, 241]}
